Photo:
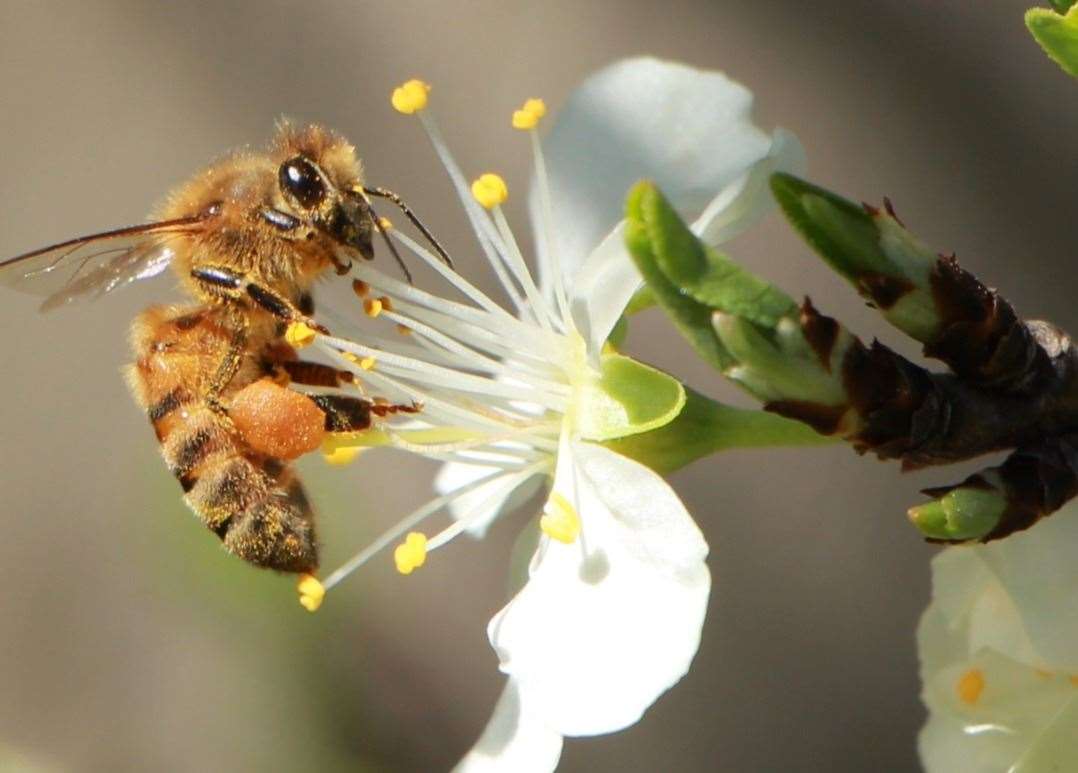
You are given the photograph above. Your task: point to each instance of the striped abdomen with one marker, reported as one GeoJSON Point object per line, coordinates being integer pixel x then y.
{"type": "Point", "coordinates": [254, 503]}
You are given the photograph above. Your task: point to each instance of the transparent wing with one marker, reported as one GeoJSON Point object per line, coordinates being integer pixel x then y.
{"type": "Point", "coordinates": [90, 266]}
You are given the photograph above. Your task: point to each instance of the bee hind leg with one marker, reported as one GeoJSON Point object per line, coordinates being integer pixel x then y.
{"type": "Point", "coordinates": [352, 414]}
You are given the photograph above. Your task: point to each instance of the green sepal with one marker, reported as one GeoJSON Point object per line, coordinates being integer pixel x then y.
{"type": "Point", "coordinates": [1062, 6]}
{"type": "Point", "coordinates": [1058, 35]}
{"type": "Point", "coordinates": [628, 398]}
{"type": "Point", "coordinates": [704, 427]}
{"type": "Point", "coordinates": [959, 515]}
{"type": "Point", "coordinates": [690, 280]}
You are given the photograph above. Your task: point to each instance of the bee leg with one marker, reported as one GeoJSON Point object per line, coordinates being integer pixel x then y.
{"type": "Point", "coordinates": [221, 281]}
{"type": "Point", "coordinates": [350, 414]}
{"type": "Point", "coordinates": [314, 373]}
{"type": "Point", "coordinates": [229, 366]}
{"type": "Point", "coordinates": [343, 413]}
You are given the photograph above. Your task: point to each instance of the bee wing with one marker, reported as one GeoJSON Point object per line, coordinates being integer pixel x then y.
{"type": "Point", "coordinates": [90, 266]}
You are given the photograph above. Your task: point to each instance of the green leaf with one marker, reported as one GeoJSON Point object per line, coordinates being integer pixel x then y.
{"type": "Point", "coordinates": [704, 427]}
{"type": "Point", "coordinates": [629, 398]}
{"type": "Point", "coordinates": [1058, 35]}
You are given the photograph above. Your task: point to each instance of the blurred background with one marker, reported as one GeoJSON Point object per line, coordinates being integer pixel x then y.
{"type": "Point", "coordinates": [129, 641]}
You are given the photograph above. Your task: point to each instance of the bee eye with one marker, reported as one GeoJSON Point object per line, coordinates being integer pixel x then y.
{"type": "Point", "coordinates": [300, 178]}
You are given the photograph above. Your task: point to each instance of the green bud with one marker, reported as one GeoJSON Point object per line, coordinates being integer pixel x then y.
{"type": "Point", "coordinates": [1058, 35]}
{"type": "Point", "coordinates": [777, 364]}
{"type": "Point", "coordinates": [964, 513]}
{"type": "Point", "coordinates": [870, 248]}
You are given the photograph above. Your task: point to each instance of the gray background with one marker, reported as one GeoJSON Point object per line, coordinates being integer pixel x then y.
{"type": "Point", "coordinates": [129, 642]}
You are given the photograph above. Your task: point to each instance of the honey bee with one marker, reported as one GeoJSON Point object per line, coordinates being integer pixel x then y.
{"type": "Point", "coordinates": [247, 237]}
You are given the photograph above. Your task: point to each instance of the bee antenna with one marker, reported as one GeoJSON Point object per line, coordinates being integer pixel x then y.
{"type": "Point", "coordinates": [389, 243]}
{"type": "Point", "coordinates": [384, 194]}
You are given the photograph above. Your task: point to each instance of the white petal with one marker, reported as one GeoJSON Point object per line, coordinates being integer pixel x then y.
{"type": "Point", "coordinates": [485, 503]}
{"type": "Point", "coordinates": [602, 287]}
{"type": "Point", "coordinates": [593, 642]}
{"type": "Point", "coordinates": [513, 742]}
{"type": "Point", "coordinates": [747, 199]}
{"type": "Point", "coordinates": [946, 747]}
{"type": "Point", "coordinates": [1038, 570]}
{"type": "Point", "coordinates": [686, 129]}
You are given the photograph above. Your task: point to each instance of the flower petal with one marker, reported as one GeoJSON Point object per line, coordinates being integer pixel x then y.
{"type": "Point", "coordinates": [748, 198]}
{"type": "Point", "coordinates": [592, 642]}
{"type": "Point", "coordinates": [513, 741]}
{"type": "Point", "coordinates": [486, 502]}
{"type": "Point", "coordinates": [601, 289]}
{"type": "Point", "coordinates": [687, 129]}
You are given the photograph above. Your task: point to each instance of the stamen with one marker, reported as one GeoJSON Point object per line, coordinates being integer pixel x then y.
{"type": "Point", "coordinates": [549, 263]}
{"type": "Point", "coordinates": [311, 592]}
{"type": "Point", "coordinates": [411, 554]}
{"type": "Point", "coordinates": [372, 307]}
{"type": "Point", "coordinates": [361, 288]}
{"type": "Point", "coordinates": [970, 686]}
{"type": "Point", "coordinates": [299, 335]}
{"type": "Point", "coordinates": [560, 520]}
{"type": "Point", "coordinates": [508, 485]}
{"type": "Point", "coordinates": [490, 190]}
{"type": "Point", "coordinates": [385, 223]}
{"type": "Point", "coordinates": [528, 116]}
{"type": "Point", "coordinates": [408, 523]}
{"type": "Point", "coordinates": [410, 97]}
{"type": "Point", "coordinates": [515, 259]}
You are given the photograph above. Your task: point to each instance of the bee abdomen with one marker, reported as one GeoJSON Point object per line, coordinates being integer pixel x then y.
{"type": "Point", "coordinates": [254, 504]}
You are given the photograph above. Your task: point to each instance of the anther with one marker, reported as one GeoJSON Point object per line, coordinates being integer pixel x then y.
{"type": "Point", "coordinates": [338, 451]}
{"type": "Point", "coordinates": [410, 97]}
{"type": "Point", "coordinates": [372, 307]}
{"type": "Point", "coordinates": [385, 223]}
{"type": "Point", "coordinates": [490, 190]}
{"type": "Point", "coordinates": [299, 334]}
{"type": "Point", "coordinates": [970, 686]}
{"type": "Point", "coordinates": [311, 592]}
{"type": "Point", "coordinates": [361, 288]}
{"type": "Point", "coordinates": [367, 363]}
{"type": "Point", "coordinates": [404, 330]}
{"type": "Point", "coordinates": [387, 303]}
{"type": "Point", "coordinates": [411, 554]}
{"type": "Point", "coordinates": [527, 117]}
{"type": "Point", "coordinates": [560, 520]}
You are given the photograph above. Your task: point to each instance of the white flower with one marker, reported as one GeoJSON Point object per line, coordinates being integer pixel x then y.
{"type": "Point", "coordinates": [999, 654]}
{"type": "Point", "coordinates": [611, 612]}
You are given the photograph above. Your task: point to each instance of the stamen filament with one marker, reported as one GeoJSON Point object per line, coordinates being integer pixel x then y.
{"type": "Point", "coordinates": [408, 523]}
{"type": "Point", "coordinates": [548, 256]}
{"type": "Point", "coordinates": [516, 263]}
{"type": "Point", "coordinates": [510, 483]}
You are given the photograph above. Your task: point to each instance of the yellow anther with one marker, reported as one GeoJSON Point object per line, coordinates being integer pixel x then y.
{"type": "Point", "coordinates": [311, 592]}
{"type": "Point", "coordinates": [560, 520]}
{"type": "Point", "coordinates": [387, 303]}
{"type": "Point", "coordinates": [299, 334]}
{"type": "Point", "coordinates": [340, 448]}
{"type": "Point", "coordinates": [367, 363]}
{"type": "Point", "coordinates": [410, 97]}
{"type": "Point", "coordinates": [404, 330]}
{"type": "Point", "coordinates": [372, 306]}
{"type": "Point", "coordinates": [527, 117]}
{"type": "Point", "coordinates": [490, 190]}
{"type": "Point", "coordinates": [385, 223]}
{"type": "Point", "coordinates": [970, 686]}
{"type": "Point", "coordinates": [1073, 680]}
{"type": "Point", "coordinates": [411, 554]}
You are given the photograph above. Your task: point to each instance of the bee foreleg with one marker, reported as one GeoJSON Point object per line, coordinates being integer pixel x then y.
{"type": "Point", "coordinates": [229, 365]}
